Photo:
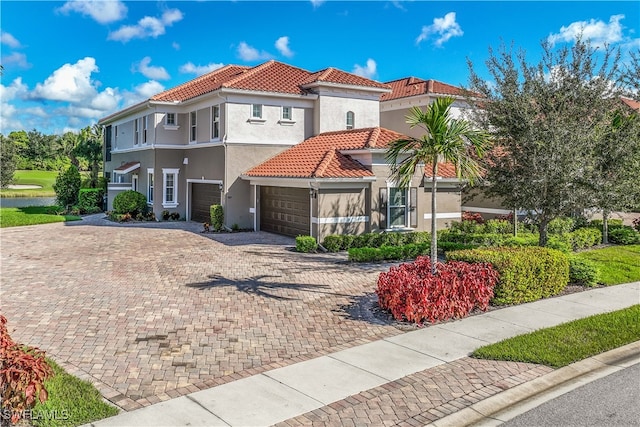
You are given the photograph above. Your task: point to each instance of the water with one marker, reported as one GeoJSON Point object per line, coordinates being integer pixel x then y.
{"type": "Point", "coordinates": [21, 202]}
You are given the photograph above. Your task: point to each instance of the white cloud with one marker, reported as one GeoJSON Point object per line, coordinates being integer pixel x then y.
{"type": "Point", "coordinates": [149, 71]}
{"type": "Point", "coordinates": [106, 101]}
{"type": "Point", "coordinates": [282, 44]}
{"type": "Point", "coordinates": [598, 32]}
{"type": "Point", "coordinates": [191, 68]}
{"type": "Point", "coordinates": [71, 83]}
{"type": "Point", "coordinates": [369, 71]}
{"type": "Point", "coordinates": [249, 53]}
{"type": "Point", "coordinates": [103, 12]}
{"type": "Point", "coordinates": [445, 28]}
{"type": "Point", "coordinates": [8, 112]}
{"type": "Point", "coordinates": [175, 45]}
{"type": "Point", "coordinates": [16, 58]}
{"type": "Point", "coordinates": [9, 40]}
{"type": "Point", "coordinates": [317, 3]}
{"type": "Point", "coordinates": [148, 89]}
{"type": "Point", "coordinates": [147, 27]}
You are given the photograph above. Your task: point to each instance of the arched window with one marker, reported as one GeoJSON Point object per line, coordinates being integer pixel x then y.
{"type": "Point", "coordinates": [350, 120]}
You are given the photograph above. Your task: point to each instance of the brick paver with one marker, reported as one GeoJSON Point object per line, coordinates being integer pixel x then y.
{"type": "Point", "coordinates": [152, 312]}
{"type": "Point", "coordinates": [423, 397]}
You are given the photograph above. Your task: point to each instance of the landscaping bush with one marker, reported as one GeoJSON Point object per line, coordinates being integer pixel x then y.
{"type": "Point", "coordinates": [412, 293]}
{"type": "Point", "coordinates": [526, 273]}
{"type": "Point", "coordinates": [454, 246]}
{"type": "Point", "coordinates": [67, 187]}
{"type": "Point", "coordinates": [336, 242]}
{"type": "Point", "coordinates": [624, 236]}
{"type": "Point", "coordinates": [560, 225]}
{"type": "Point", "coordinates": [129, 202]}
{"type": "Point", "coordinates": [409, 251]}
{"type": "Point", "coordinates": [466, 227]}
{"type": "Point", "coordinates": [332, 243]}
{"type": "Point", "coordinates": [472, 217]}
{"type": "Point", "coordinates": [521, 240]}
{"type": "Point", "coordinates": [497, 226]}
{"type": "Point", "coordinates": [559, 243]}
{"type": "Point", "coordinates": [611, 223]}
{"type": "Point", "coordinates": [216, 212]}
{"type": "Point", "coordinates": [23, 370]}
{"type": "Point", "coordinates": [583, 271]}
{"type": "Point", "coordinates": [583, 238]}
{"type": "Point", "coordinates": [89, 199]}
{"type": "Point", "coordinates": [347, 241]}
{"type": "Point", "coordinates": [306, 244]}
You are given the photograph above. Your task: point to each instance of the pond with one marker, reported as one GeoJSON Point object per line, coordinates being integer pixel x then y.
{"type": "Point", "coordinates": [21, 202]}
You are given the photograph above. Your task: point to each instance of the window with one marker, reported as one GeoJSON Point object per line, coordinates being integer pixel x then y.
{"type": "Point", "coordinates": [150, 186]}
{"type": "Point", "coordinates": [170, 188]}
{"type": "Point", "coordinates": [192, 123]}
{"type": "Point", "coordinates": [256, 111]}
{"type": "Point", "coordinates": [215, 122]}
{"type": "Point", "coordinates": [397, 207]}
{"type": "Point", "coordinates": [134, 182]}
{"type": "Point", "coordinates": [107, 143]}
{"type": "Point", "coordinates": [350, 120]}
{"type": "Point", "coordinates": [115, 137]}
{"type": "Point", "coordinates": [287, 113]}
{"type": "Point", "coordinates": [170, 119]}
{"type": "Point", "coordinates": [136, 132]}
{"type": "Point", "coordinates": [145, 124]}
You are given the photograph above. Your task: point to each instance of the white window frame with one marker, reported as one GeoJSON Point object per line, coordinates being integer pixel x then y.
{"type": "Point", "coordinates": [145, 125]}
{"type": "Point", "coordinates": [166, 172]}
{"type": "Point", "coordinates": [115, 137]}
{"type": "Point", "coordinates": [136, 132]}
{"type": "Point", "coordinates": [215, 122]}
{"type": "Point", "coordinates": [150, 186]}
{"type": "Point", "coordinates": [287, 113]}
{"type": "Point", "coordinates": [134, 182]}
{"type": "Point", "coordinates": [193, 126]}
{"type": "Point", "coordinates": [174, 124]}
{"type": "Point", "coordinates": [351, 117]}
{"type": "Point", "coordinates": [255, 110]}
{"type": "Point", "coordinates": [406, 207]}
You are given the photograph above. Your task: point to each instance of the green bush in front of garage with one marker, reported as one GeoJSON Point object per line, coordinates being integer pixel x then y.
{"type": "Point", "coordinates": [306, 244]}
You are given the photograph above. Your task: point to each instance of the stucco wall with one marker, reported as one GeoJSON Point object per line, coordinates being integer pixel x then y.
{"type": "Point", "coordinates": [332, 113]}
{"type": "Point", "coordinates": [340, 210]}
{"type": "Point", "coordinates": [271, 130]}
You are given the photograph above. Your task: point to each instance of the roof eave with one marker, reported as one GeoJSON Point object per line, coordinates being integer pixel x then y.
{"type": "Point", "coordinates": [346, 86]}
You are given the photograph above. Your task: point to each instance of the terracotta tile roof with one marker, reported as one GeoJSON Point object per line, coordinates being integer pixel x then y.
{"type": "Point", "coordinates": [632, 103]}
{"type": "Point", "coordinates": [201, 85]}
{"type": "Point", "coordinates": [127, 167]}
{"type": "Point", "coordinates": [323, 156]}
{"type": "Point", "coordinates": [333, 75]}
{"type": "Point", "coordinates": [412, 86]}
{"type": "Point", "coordinates": [271, 76]}
{"type": "Point", "coordinates": [445, 170]}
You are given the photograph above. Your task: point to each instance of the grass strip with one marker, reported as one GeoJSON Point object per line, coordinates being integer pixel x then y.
{"type": "Point", "coordinates": [14, 217]}
{"type": "Point", "coordinates": [569, 342]}
{"type": "Point", "coordinates": [44, 179]}
{"type": "Point", "coordinates": [72, 402]}
{"type": "Point", "coordinates": [617, 264]}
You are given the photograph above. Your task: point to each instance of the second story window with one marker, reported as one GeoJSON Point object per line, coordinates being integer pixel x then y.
{"type": "Point", "coordinates": [215, 122]}
{"type": "Point", "coordinates": [351, 118]}
{"type": "Point", "coordinates": [136, 132]}
{"type": "Point", "coordinates": [256, 111]}
{"type": "Point", "coordinates": [192, 124]}
{"type": "Point", "coordinates": [145, 126]}
{"type": "Point", "coordinates": [170, 119]}
{"type": "Point", "coordinates": [287, 113]}
{"type": "Point", "coordinates": [115, 137]}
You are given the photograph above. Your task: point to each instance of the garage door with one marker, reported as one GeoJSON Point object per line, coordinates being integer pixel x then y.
{"type": "Point", "coordinates": [202, 197]}
{"type": "Point", "coordinates": [284, 210]}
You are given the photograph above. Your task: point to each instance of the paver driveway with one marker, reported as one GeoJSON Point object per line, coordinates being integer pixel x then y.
{"type": "Point", "coordinates": [152, 312]}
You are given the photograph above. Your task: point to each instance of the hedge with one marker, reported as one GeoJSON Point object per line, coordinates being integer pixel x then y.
{"type": "Point", "coordinates": [624, 236]}
{"type": "Point", "coordinates": [389, 253]}
{"type": "Point", "coordinates": [526, 273]}
{"type": "Point", "coordinates": [337, 242]}
{"type": "Point", "coordinates": [129, 202]}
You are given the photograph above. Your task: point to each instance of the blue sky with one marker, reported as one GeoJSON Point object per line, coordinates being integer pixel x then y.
{"type": "Point", "coordinates": [68, 64]}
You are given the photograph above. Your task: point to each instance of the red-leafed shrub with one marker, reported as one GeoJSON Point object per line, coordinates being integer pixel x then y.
{"type": "Point", "coordinates": [470, 216]}
{"type": "Point", "coordinates": [23, 370]}
{"type": "Point", "coordinates": [412, 293]}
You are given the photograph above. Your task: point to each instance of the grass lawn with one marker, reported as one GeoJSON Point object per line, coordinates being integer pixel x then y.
{"type": "Point", "coordinates": [617, 264]}
{"type": "Point", "coordinates": [569, 342]}
{"type": "Point", "coordinates": [72, 402]}
{"type": "Point", "coordinates": [13, 217]}
{"type": "Point", "coordinates": [45, 179]}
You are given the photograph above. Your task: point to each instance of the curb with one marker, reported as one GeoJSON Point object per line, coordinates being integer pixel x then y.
{"type": "Point", "coordinates": [517, 400]}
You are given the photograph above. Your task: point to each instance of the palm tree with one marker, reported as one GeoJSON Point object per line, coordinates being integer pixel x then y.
{"type": "Point", "coordinates": [445, 139]}
{"type": "Point", "coordinates": [90, 147]}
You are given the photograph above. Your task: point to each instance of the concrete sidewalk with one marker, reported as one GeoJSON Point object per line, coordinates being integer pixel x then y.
{"type": "Point", "coordinates": [292, 391]}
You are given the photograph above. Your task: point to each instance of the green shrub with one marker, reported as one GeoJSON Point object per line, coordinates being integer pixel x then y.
{"type": "Point", "coordinates": [611, 223]}
{"type": "Point", "coordinates": [526, 273]}
{"type": "Point", "coordinates": [624, 236]}
{"type": "Point", "coordinates": [409, 251]}
{"type": "Point", "coordinates": [347, 241]}
{"type": "Point", "coordinates": [467, 227]}
{"type": "Point", "coordinates": [365, 254]}
{"type": "Point", "coordinates": [89, 199]}
{"type": "Point", "coordinates": [583, 238]}
{"type": "Point", "coordinates": [454, 246]}
{"type": "Point", "coordinates": [521, 240]}
{"type": "Point", "coordinates": [216, 212]}
{"type": "Point", "coordinates": [497, 226]}
{"type": "Point", "coordinates": [332, 243]}
{"type": "Point", "coordinates": [130, 202]}
{"type": "Point", "coordinates": [583, 271]}
{"type": "Point", "coordinates": [560, 225]}
{"type": "Point", "coordinates": [67, 187]}
{"type": "Point", "coordinates": [306, 244]}
{"type": "Point", "coordinates": [560, 244]}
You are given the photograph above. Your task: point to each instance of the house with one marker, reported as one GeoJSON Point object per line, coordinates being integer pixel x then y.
{"type": "Point", "coordinates": [282, 149]}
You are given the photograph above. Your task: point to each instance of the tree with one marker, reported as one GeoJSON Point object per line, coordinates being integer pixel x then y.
{"type": "Point", "coordinates": [68, 145]}
{"type": "Point", "coordinates": [7, 160]}
{"type": "Point", "coordinates": [616, 158]}
{"type": "Point", "coordinates": [67, 187]}
{"type": "Point", "coordinates": [90, 148]}
{"type": "Point", "coordinates": [546, 118]}
{"type": "Point", "coordinates": [445, 140]}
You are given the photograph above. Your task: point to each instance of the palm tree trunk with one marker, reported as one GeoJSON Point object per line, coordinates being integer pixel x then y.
{"type": "Point", "coordinates": [434, 235]}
